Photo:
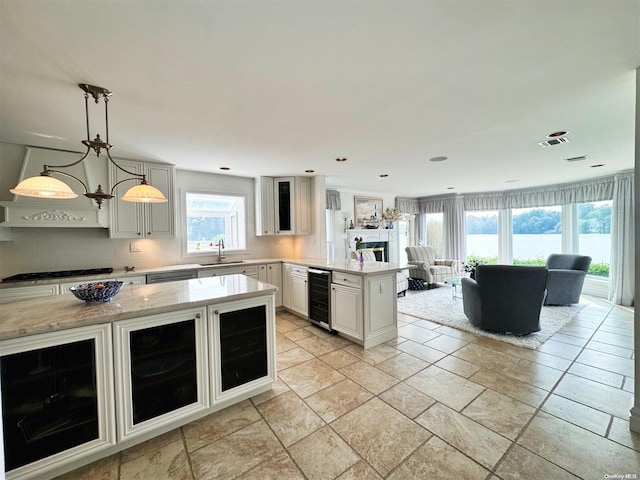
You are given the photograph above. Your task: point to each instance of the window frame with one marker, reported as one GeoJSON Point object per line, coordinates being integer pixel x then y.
{"type": "Point", "coordinates": [213, 251]}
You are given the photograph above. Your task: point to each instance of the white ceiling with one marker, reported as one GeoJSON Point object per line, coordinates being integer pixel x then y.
{"type": "Point", "coordinates": [275, 88]}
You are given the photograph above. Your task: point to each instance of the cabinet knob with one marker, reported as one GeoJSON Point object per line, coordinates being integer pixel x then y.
{"type": "Point", "coordinates": [197, 315]}
{"type": "Point", "coordinates": [216, 312]}
{"type": "Point", "coordinates": [139, 233]}
{"type": "Point", "coordinates": [148, 233]}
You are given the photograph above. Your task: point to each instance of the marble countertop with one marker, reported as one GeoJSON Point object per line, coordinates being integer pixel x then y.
{"type": "Point", "coordinates": [46, 314]}
{"type": "Point", "coordinates": [348, 266]}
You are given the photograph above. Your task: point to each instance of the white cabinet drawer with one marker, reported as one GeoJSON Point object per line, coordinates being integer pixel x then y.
{"type": "Point", "coordinates": [298, 270]}
{"type": "Point", "coordinates": [347, 279]}
{"type": "Point", "coordinates": [23, 293]}
{"type": "Point", "coordinates": [248, 270]}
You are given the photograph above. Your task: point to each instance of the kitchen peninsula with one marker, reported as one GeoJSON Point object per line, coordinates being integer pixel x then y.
{"type": "Point", "coordinates": [82, 381]}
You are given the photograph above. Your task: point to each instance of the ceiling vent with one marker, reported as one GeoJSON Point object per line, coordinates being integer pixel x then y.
{"type": "Point", "coordinates": [577, 159]}
{"type": "Point", "coordinates": [553, 141]}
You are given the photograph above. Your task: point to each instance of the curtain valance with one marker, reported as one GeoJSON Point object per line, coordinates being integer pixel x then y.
{"type": "Point", "coordinates": [594, 190]}
{"type": "Point", "coordinates": [407, 205]}
{"type": "Point", "coordinates": [333, 200]}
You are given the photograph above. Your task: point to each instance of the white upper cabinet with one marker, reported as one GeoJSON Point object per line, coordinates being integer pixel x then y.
{"type": "Point", "coordinates": [136, 220]}
{"type": "Point", "coordinates": [283, 206]}
{"type": "Point", "coordinates": [265, 207]}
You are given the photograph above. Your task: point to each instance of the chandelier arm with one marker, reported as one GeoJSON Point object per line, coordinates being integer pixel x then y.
{"type": "Point", "coordinates": [47, 173]}
{"type": "Point", "coordinates": [46, 167]}
{"type": "Point", "coordinates": [141, 176]}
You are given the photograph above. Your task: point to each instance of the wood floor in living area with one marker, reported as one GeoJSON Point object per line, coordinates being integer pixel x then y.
{"type": "Point", "coordinates": [435, 403]}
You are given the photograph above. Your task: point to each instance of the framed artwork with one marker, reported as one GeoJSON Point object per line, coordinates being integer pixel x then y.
{"type": "Point", "coordinates": [368, 212]}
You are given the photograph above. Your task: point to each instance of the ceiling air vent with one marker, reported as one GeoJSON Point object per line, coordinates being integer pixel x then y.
{"type": "Point", "coordinates": [553, 141]}
{"type": "Point", "coordinates": [577, 159]}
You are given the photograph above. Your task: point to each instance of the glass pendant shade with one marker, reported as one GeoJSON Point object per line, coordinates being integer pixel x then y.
{"type": "Point", "coordinates": [43, 187]}
{"type": "Point", "coordinates": [144, 193]}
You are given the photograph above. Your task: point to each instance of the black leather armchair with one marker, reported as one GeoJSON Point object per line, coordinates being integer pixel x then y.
{"type": "Point", "coordinates": [505, 298]}
{"type": "Point", "coordinates": [566, 278]}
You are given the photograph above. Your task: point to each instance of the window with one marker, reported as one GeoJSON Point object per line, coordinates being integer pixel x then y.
{"type": "Point", "coordinates": [482, 236]}
{"type": "Point", "coordinates": [594, 235]}
{"type": "Point", "coordinates": [435, 232]}
{"type": "Point", "coordinates": [537, 232]}
{"type": "Point", "coordinates": [329, 221]}
{"type": "Point", "coordinates": [211, 218]}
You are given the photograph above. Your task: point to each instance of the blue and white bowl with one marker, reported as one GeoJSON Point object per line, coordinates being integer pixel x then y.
{"type": "Point", "coordinates": [97, 292]}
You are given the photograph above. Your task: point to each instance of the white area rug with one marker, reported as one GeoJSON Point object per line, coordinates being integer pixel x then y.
{"type": "Point", "coordinates": [437, 305]}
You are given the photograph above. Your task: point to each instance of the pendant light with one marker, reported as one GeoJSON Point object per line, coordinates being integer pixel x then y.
{"type": "Point", "coordinates": [46, 186]}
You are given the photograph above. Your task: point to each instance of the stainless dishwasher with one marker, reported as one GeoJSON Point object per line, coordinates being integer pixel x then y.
{"type": "Point", "coordinates": [319, 284]}
{"type": "Point", "coordinates": [163, 277]}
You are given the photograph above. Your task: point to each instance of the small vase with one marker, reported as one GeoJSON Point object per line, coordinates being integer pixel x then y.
{"type": "Point", "coordinates": [361, 259]}
{"type": "Point", "coordinates": [390, 227]}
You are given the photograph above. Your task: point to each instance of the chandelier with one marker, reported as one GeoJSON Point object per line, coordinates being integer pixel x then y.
{"type": "Point", "coordinates": [46, 186]}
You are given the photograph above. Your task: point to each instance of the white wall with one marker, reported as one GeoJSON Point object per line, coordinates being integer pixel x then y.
{"type": "Point", "coordinates": [50, 249]}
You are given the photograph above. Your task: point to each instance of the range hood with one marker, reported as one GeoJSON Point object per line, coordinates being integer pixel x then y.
{"type": "Point", "coordinates": [18, 162]}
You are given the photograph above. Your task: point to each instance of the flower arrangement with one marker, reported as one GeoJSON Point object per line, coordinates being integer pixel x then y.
{"type": "Point", "coordinates": [358, 243]}
{"type": "Point", "coordinates": [391, 214]}
{"type": "Point", "coordinates": [471, 265]}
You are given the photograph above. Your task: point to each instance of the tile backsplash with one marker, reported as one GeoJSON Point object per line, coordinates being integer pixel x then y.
{"type": "Point", "coordinates": [51, 249]}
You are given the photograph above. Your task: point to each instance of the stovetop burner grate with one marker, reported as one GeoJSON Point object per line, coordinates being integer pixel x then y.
{"type": "Point", "coordinates": [58, 274]}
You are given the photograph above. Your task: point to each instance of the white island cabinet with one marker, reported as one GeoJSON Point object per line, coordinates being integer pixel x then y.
{"type": "Point", "coordinates": [57, 399]}
{"type": "Point", "coordinates": [162, 374]}
{"type": "Point", "coordinates": [181, 351]}
{"type": "Point", "coordinates": [363, 299]}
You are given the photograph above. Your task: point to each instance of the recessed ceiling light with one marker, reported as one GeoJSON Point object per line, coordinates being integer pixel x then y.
{"type": "Point", "coordinates": [225, 168]}
{"type": "Point", "coordinates": [559, 133]}
{"type": "Point", "coordinates": [438, 159]}
{"type": "Point", "coordinates": [383, 175]}
{"type": "Point", "coordinates": [309, 171]}
{"type": "Point", "coordinates": [597, 165]}
{"type": "Point", "coordinates": [512, 181]}
{"type": "Point", "coordinates": [450, 188]}
{"type": "Point", "coordinates": [341, 159]}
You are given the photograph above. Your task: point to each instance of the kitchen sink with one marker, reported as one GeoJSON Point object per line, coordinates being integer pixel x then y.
{"type": "Point", "coordinates": [221, 263]}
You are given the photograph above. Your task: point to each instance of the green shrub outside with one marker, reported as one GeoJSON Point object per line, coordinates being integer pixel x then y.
{"type": "Point", "coordinates": [597, 269]}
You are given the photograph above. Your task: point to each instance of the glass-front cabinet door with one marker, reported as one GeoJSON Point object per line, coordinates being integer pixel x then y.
{"type": "Point", "coordinates": [285, 205]}
{"type": "Point", "coordinates": [162, 370]}
{"type": "Point", "coordinates": [57, 399]}
{"type": "Point", "coordinates": [242, 340]}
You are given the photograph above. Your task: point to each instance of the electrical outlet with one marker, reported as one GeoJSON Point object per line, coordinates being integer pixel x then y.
{"type": "Point", "coordinates": [134, 247]}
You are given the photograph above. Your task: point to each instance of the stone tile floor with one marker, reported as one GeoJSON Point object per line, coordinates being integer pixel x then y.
{"type": "Point", "coordinates": [435, 403]}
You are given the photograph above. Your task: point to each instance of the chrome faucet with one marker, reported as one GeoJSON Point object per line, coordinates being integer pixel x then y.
{"type": "Point", "coordinates": [220, 248]}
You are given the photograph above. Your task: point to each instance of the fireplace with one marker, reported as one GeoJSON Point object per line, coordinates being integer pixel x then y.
{"type": "Point", "coordinates": [380, 249]}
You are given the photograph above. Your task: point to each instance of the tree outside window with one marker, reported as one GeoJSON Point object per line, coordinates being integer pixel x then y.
{"type": "Point", "coordinates": [211, 218]}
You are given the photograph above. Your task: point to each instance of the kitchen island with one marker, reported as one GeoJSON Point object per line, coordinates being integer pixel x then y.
{"type": "Point", "coordinates": [83, 381]}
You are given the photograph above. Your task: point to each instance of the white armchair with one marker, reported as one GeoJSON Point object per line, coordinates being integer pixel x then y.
{"type": "Point", "coordinates": [423, 264]}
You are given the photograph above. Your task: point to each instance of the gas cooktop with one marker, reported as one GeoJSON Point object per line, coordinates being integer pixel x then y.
{"type": "Point", "coordinates": [59, 274]}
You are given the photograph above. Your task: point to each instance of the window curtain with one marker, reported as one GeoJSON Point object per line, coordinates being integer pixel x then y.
{"type": "Point", "coordinates": [455, 234]}
{"type": "Point", "coordinates": [622, 271]}
{"type": "Point", "coordinates": [333, 200]}
{"type": "Point", "coordinates": [453, 219]}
